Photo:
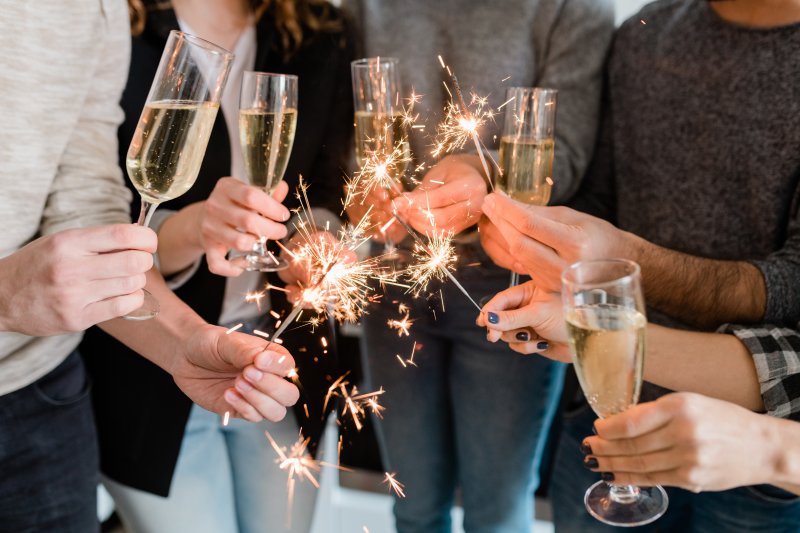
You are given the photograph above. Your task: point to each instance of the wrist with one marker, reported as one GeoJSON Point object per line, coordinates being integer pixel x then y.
{"type": "Point", "coordinates": [782, 462]}
{"type": "Point", "coordinates": [634, 248]}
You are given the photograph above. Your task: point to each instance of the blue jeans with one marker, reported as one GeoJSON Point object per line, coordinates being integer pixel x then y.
{"type": "Point", "coordinates": [747, 509]}
{"type": "Point", "coordinates": [226, 481]}
{"type": "Point", "coordinates": [470, 414]}
{"type": "Point", "coordinates": [48, 454]}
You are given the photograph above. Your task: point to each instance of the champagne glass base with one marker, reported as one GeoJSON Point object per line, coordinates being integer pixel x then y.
{"type": "Point", "coordinates": [648, 506]}
{"type": "Point", "coordinates": [149, 309]}
{"type": "Point", "coordinates": [260, 263]}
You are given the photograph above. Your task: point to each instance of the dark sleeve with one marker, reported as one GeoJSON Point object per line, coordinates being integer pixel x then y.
{"type": "Point", "coordinates": [776, 355]}
{"type": "Point", "coordinates": [781, 270]}
{"type": "Point", "coordinates": [334, 155]}
{"type": "Point", "coordinates": [597, 194]}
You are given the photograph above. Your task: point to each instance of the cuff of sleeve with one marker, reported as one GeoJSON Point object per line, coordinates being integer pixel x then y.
{"type": "Point", "coordinates": [177, 280]}
{"type": "Point", "coordinates": [324, 220]}
{"type": "Point", "coordinates": [783, 291]}
{"type": "Point", "coordinates": [776, 355]}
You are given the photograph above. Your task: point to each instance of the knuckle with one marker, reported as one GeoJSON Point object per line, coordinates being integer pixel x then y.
{"type": "Point", "coordinates": [251, 196]}
{"type": "Point", "coordinates": [243, 242]}
{"type": "Point", "coordinates": [277, 414]}
{"type": "Point", "coordinates": [122, 235]}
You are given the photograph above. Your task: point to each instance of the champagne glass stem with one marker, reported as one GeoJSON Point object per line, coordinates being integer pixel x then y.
{"type": "Point", "coordinates": [624, 494]}
{"type": "Point", "coordinates": [146, 213]}
{"type": "Point", "coordinates": [514, 279]}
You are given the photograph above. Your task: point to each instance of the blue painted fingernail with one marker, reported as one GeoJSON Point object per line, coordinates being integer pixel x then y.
{"type": "Point", "coordinates": [523, 336]}
{"type": "Point", "coordinates": [607, 476]}
{"type": "Point", "coordinates": [585, 449]}
{"type": "Point", "coordinates": [590, 462]}
{"type": "Point", "coordinates": [493, 318]}
{"type": "Point", "coordinates": [543, 345]}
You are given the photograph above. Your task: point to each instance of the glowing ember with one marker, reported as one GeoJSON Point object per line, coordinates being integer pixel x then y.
{"type": "Point", "coordinates": [394, 485]}
{"type": "Point", "coordinates": [402, 325]}
{"type": "Point", "coordinates": [226, 418]}
{"type": "Point", "coordinates": [234, 328]}
{"type": "Point", "coordinates": [354, 404]}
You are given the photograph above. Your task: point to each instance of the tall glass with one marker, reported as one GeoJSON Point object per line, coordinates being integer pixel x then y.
{"type": "Point", "coordinates": [527, 147]}
{"type": "Point", "coordinates": [605, 314]}
{"type": "Point", "coordinates": [267, 120]}
{"type": "Point", "coordinates": [172, 134]}
{"type": "Point", "coordinates": [381, 133]}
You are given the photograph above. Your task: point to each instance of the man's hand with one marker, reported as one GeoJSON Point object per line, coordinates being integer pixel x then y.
{"type": "Point", "coordinates": [382, 203]}
{"type": "Point", "coordinates": [235, 372]}
{"type": "Point", "coordinates": [299, 274]}
{"type": "Point", "coordinates": [529, 319]}
{"type": "Point", "coordinates": [684, 440]}
{"type": "Point", "coordinates": [448, 199]}
{"type": "Point", "coordinates": [234, 217]}
{"type": "Point", "coordinates": [542, 241]}
{"type": "Point", "coordinates": [74, 279]}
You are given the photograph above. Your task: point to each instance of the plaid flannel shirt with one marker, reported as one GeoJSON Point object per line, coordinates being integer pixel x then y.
{"type": "Point", "coordinates": [776, 354]}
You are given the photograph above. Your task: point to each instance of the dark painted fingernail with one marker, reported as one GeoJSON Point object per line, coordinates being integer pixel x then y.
{"type": "Point", "coordinates": [586, 449]}
{"type": "Point", "coordinates": [607, 476]}
{"type": "Point", "coordinates": [543, 345]}
{"type": "Point", "coordinates": [493, 318]}
{"type": "Point", "coordinates": [523, 336]}
{"type": "Point", "coordinates": [590, 462]}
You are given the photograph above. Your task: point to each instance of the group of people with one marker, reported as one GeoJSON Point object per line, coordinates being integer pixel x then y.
{"type": "Point", "coordinates": [676, 147]}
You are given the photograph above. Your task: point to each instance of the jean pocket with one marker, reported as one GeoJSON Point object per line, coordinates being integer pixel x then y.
{"type": "Point", "coordinates": [66, 385]}
{"type": "Point", "coordinates": [772, 494]}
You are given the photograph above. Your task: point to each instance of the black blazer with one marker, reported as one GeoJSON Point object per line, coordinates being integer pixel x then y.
{"type": "Point", "coordinates": [141, 414]}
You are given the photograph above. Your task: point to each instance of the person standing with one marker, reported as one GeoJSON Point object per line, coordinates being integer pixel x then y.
{"type": "Point", "coordinates": [465, 416]}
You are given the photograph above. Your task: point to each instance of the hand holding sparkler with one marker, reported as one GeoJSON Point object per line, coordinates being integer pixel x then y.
{"type": "Point", "coordinates": [449, 198]}
{"type": "Point", "coordinates": [379, 203]}
{"type": "Point", "coordinates": [529, 319]}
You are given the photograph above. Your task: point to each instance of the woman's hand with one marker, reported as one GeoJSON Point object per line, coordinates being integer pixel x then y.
{"type": "Point", "coordinates": [381, 213]}
{"type": "Point", "coordinates": [234, 217]}
{"type": "Point", "coordinates": [529, 319]}
{"type": "Point", "coordinates": [683, 440]}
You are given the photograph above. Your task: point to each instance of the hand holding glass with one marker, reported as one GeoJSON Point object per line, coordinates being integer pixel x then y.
{"type": "Point", "coordinates": [172, 134]}
{"type": "Point", "coordinates": [605, 314]}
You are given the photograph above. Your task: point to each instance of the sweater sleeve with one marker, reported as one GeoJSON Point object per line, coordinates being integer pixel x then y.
{"type": "Point", "coordinates": [776, 354]}
{"type": "Point", "coordinates": [88, 189]}
{"type": "Point", "coordinates": [574, 55]}
{"type": "Point", "coordinates": [781, 271]}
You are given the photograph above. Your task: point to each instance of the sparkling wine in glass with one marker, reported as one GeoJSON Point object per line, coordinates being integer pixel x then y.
{"type": "Point", "coordinates": [527, 147]}
{"type": "Point", "coordinates": [267, 121]}
{"type": "Point", "coordinates": [380, 131]}
{"type": "Point", "coordinates": [170, 140]}
{"type": "Point", "coordinates": [606, 323]}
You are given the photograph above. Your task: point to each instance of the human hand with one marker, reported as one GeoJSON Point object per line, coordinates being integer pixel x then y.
{"type": "Point", "coordinates": [74, 279]}
{"type": "Point", "coordinates": [542, 241]}
{"type": "Point", "coordinates": [235, 372]}
{"type": "Point", "coordinates": [382, 203]}
{"type": "Point", "coordinates": [529, 319]}
{"type": "Point", "coordinates": [300, 272]}
{"type": "Point", "coordinates": [682, 440]}
{"type": "Point", "coordinates": [449, 198]}
{"type": "Point", "coordinates": [234, 217]}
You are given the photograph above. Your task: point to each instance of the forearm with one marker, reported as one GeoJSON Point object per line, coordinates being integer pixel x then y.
{"type": "Point", "coordinates": [713, 364]}
{"type": "Point", "coordinates": [179, 245]}
{"type": "Point", "coordinates": [782, 439]}
{"type": "Point", "coordinates": [159, 339]}
{"type": "Point", "coordinates": [699, 291]}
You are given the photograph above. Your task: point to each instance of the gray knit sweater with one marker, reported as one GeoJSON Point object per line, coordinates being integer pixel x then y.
{"type": "Point", "coordinates": [558, 44]}
{"type": "Point", "coordinates": [700, 149]}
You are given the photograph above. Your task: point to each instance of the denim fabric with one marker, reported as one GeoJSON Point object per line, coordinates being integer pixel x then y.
{"type": "Point", "coordinates": [748, 509]}
{"type": "Point", "coordinates": [48, 454]}
{"type": "Point", "coordinates": [470, 414]}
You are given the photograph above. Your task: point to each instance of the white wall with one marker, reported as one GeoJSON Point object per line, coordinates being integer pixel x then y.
{"type": "Point", "coordinates": [626, 8]}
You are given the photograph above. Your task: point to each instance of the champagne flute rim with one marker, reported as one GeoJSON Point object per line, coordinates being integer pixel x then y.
{"type": "Point", "coordinates": [541, 90]}
{"type": "Point", "coordinates": [370, 61]}
{"type": "Point", "coordinates": [260, 74]}
{"type": "Point", "coordinates": [203, 43]}
{"type": "Point", "coordinates": [634, 271]}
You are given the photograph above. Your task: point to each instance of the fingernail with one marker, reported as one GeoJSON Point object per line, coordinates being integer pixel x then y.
{"type": "Point", "coordinates": [243, 386]}
{"type": "Point", "coordinates": [264, 360]}
{"type": "Point", "coordinates": [523, 336]}
{"type": "Point", "coordinates": [252, 374]}
{"type": "Point", "coordinates": [594, 429]}
{"type": "Point", "coordinates": [585, 449]}
{"type": "Point", "coordinates": [607, 476]}
{"type": "Point", "coordinates": [231, 396]}
{"type": "Point", "coordinates": [493, 318]}
{"type": "Point", "coordinates": [590, 462]}
{"type": "Point", "coordinates": [542, 345]}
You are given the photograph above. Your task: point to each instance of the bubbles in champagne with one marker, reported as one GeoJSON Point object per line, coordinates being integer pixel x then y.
{"type": "Point", "coordinates": [527, 166]}
{"type": "Point", "coordinates": [266, 139]}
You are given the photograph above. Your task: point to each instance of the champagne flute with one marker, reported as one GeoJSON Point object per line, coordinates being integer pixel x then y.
{"type": "Point", "coordinates": [381, 133]}
{"type": "Point", "coordinates": [605, 314]}
{"type": "Point", "coordinates": [267, 120]}
{"type": "Point", "coordinates": [527, 147]}
{"type": "Point", "coordinates": [170, 140]}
